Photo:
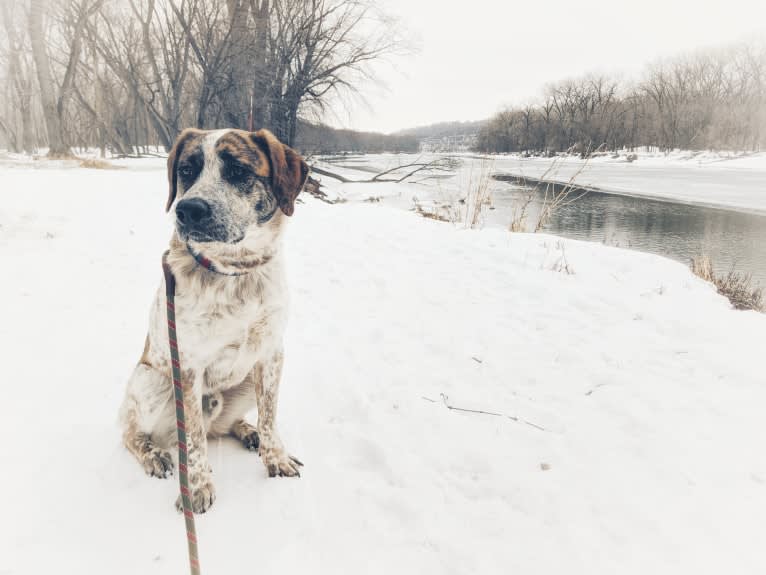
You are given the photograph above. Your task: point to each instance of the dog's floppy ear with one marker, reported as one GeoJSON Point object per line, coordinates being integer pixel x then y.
{"type": "Point", "coordinates": [288, 170]}
{"type": "Point", "coordinates": [175, 152]}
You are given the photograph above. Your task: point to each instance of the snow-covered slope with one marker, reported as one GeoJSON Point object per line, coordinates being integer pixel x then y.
{"type": "Point", "coordinates": [629, 440]}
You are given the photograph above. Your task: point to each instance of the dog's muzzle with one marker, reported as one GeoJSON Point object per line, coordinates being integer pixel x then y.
{"type": "Point", "coordinates": [194, 220]}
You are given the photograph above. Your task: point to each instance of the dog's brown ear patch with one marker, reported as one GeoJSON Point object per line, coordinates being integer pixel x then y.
{"type": "Point", "coordinates": [288, 170]}
{"type": "Point", "coordinates": [175, 153]}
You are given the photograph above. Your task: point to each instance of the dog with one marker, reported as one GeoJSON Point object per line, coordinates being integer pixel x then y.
{"type": "Point", "coordinates": [231, 192]}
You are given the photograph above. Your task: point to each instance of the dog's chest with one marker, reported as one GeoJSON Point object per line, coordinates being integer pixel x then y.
{"type": "Point", "coordinates": [223, 342]}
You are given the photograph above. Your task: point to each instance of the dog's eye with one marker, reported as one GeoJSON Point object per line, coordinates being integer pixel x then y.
{"type": "Point", "coordinates": [185, 172]}
{"type": "Point", "coordinates": [237, 171]}
{"type": "Point", "coordinates": [259, 206]}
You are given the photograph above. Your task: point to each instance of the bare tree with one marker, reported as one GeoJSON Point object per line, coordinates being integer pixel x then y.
{"type": "Point", "coordinates": [145, 46]}
{"type": "Point", "coordinates": [56, 137]}
{"type": "Point", "coordinates": [261, 62]}
{"type": "Point", "coordinates": [55, 95]}
{"type": "Point", "coordinates": [17, 121]}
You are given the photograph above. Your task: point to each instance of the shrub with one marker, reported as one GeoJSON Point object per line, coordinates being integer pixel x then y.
{"type": "Point", "coordinates": [737, 287]}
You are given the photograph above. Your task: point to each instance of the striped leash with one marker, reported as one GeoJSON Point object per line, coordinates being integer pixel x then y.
{"type": "Point", "coordinates": [183, 471]}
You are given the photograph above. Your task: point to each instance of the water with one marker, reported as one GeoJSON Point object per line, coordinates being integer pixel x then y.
{"type": "Point", "coordinates": [732, 239]}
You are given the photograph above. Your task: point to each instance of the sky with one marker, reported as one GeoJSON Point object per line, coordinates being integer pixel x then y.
{"type": "Point", "coordinates": [471, 58]}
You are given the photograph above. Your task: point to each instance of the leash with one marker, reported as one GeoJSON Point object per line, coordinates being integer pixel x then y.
{"type": "Point", "coordinates": [183, 471]}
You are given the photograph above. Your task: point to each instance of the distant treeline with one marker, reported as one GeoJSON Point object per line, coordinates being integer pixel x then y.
{"type": "Point", "coordinates": [707, 100]}
{"type": "Point", "coordinates": [321, 139]}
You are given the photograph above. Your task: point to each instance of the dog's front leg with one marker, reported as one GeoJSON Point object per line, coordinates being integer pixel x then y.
{"type": "Point", "coordinates": [200, 473]}
{"type": "Point", "coordinates": [267, 374]}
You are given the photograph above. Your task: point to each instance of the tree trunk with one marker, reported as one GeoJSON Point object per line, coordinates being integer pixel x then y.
{"type": "Point", "coordinates": [292, 122]}
{"type": "Point", "coordinates": [27, 127]}
{"type": "Point", "coordinates": [57, 143]}
{"type": "Point", "coordinates": [10, 135]}
{"type": "Point", "coordinates": [19, 90]}
{"type": "Point", "coordinates": [259, 105]}
{"type": "Point", "coordinates": [236, 100]}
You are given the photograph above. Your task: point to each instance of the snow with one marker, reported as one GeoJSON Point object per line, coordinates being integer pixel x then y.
{"type": "Point", "coordinates": [735, 183]}
{"type": "Point", "coordinates": [648, 386]}
{"type": "Point", "coordinates": [728, 180]}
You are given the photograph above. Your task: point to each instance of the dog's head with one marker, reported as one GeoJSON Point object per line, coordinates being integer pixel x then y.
{"type": "Point", "coordinates": [231, 186]}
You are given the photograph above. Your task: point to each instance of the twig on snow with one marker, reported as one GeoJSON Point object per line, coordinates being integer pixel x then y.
{"type": "Point", "coordinates": [517, 420]}
{"type": "Point", "coordinates": [595, 388]}
{"type": "Point", "coordinates": [445, 401]}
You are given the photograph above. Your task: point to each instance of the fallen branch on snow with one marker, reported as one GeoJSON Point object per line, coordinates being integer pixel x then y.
{"type": "Point", "coordinates": [329, 174]}
{"type": "Point", "coordinates": [313, 188]}
{"type": "Point", "coordinates": [437, 165]}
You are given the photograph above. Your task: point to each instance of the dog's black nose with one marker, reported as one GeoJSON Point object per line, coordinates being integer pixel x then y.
{"type": "Point", "coordinates": [192, 211]}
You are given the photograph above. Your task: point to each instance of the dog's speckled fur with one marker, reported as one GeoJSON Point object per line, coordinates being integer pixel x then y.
{"type": "Point", "coordinates": [229, 327]}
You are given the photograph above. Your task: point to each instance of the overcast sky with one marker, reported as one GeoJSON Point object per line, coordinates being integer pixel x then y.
{"type": "Point", "coordinates": [474, 56]}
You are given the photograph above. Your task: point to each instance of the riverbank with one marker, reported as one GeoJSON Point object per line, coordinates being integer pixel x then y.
{"type": "Point", "coordinates": [622, 399]}
{"type": "Point", "coordinates": [640, 219]}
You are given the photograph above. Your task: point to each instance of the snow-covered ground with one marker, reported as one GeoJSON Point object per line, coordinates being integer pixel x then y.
{"type": "Point", "coordinates": [638, 396]}
{"type": "Point", "coordinates": [735, 181]}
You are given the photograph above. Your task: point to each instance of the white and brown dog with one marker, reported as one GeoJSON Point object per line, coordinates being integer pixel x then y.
{"type": "Point", "coordinates": [231, 192]}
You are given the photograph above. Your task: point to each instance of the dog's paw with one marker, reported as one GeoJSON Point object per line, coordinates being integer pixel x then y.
{"type": "Point", "coordinates": [158, 463]}
{"type": "Point", "coordinates": [251, 441]}
{"type": "Point", "coordinates": [247, 434]}
{"type": "Point", "coordinates": [278, 462]}
{"type": "Point", "coordinates": [202, 498]}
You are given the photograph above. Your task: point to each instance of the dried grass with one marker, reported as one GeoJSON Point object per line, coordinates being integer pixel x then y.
{"type": "Point", "coordinates": [520, 211]}
{"type": "Point", "coordinates": [479, 194]}
{"type": "Point", "coordinates": [96, 164]}
{"type": "Point", "coordinates": [737, 287]}
{"type": "Point", "coordinates": [432, 214]}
